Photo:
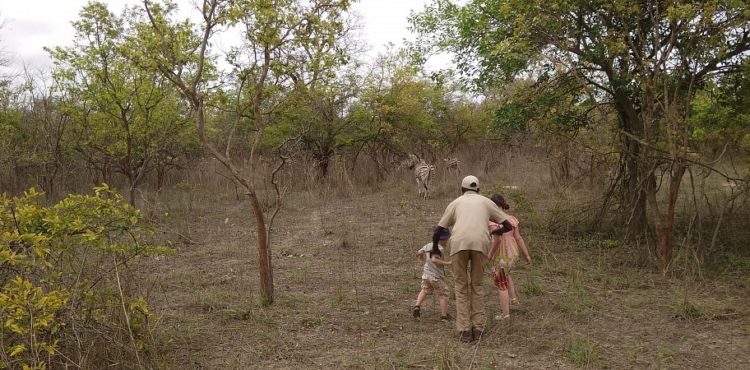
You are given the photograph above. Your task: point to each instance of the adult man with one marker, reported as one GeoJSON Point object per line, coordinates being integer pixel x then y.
{"type": "Point", "coordinates": [467, 216]}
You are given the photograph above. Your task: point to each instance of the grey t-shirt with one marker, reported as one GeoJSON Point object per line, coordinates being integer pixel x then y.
{"type": "Point", "coordinates": [431, 270]}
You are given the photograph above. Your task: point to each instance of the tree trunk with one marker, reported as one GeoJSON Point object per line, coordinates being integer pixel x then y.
{"type": "Point", "coordinates": [665, 222]}
{"type": "Point", "coordinates": [264, 252]}
{"type": "Point", "coordinates": [323, 162]}
{"type": "Point", "coordinates": [635, 195]}
{"type": "Point", "coordinates": [132, 195]}
{"type": "Point", "coordinates": [635, 176]}
{"type": "Point", "coordinates": [161, 171]}
{"type": "Point", "coordinates": [50, 179]}
{"type": "Point", "coordinates": [131, 182]}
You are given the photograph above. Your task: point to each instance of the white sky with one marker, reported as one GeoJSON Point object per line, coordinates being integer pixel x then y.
{"type": "Point", "coordinates": [30, 25]}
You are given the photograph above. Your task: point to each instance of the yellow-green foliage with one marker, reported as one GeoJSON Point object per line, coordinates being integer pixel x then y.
{"type": "Point", "coordinates": [59, 272]}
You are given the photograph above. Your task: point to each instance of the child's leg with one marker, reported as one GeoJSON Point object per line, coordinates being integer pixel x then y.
{"type": "Point", "coordinates": [420, 297]}
{"type": "Point", "coordinates": [500, 278]}
{"type": "Point", "coordinates": [426, 289]}
{"type": "Point", "coordinates": [442, 292]}
{"type": "Point", "coordinates": [443, 306]}
{"type": "Point", "coordinates": [504, 302]}
{"type": "Point", "coordinates": [512, 291]}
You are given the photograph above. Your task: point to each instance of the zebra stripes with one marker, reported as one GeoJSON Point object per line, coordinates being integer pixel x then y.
{"type": "Point", "coordinates": [452, 164]}
{"type": "Point", "coordinates": [422, 173]}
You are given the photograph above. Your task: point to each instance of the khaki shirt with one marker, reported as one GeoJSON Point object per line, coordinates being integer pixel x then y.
{"type": "Point", "coordinates": [467, 217]}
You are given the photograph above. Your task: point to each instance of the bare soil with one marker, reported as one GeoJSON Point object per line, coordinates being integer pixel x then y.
{"type": "Point", "coordinates": [345, 277]}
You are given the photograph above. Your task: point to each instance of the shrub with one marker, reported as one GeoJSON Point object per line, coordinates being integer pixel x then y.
{"type": "Point", "coordinates": [66, 277]}
{"type": "Point", "coordinates": [532, 288]}
{"type": "Point", "coordinates": [582, 352]}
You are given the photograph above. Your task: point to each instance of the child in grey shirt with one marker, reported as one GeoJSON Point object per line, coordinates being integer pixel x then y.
{"type": "Point", "coordinates": [433, 276]}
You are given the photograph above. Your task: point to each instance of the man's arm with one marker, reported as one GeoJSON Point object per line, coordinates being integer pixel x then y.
{"type": "Point", "coordinates": [502, 230]}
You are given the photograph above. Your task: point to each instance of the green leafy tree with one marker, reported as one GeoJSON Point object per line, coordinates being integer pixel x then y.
{"type": "Point", "coordinates": [320, 117]}
{"type": "Point", "coordinates": [557, 111]}
{"type": "Point", "coordinates": [125, 117]}
{"type": "Point", "coordinates": [13, 139]}
{"type": "Point", "coordinates": [401, 110]}
{"type": "Point", "coordinates": [646, 59]}
{"type": "Point", "coordinates": [720, 127]}
{"type": "Point", "coordinates": [721, 117]}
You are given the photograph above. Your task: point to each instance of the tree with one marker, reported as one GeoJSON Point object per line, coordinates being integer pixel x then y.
{"type": "Point", "coordinates": [400, 110]}
{"type": "Point", "coordinates": [124, 116]}
{"type": "Point", "coordinates": [285, 43]}
{"type": "Point", "coordinates": [47, 127]}
{"type": "Point", "coordinates": [316, 104]}
{"type": "Point", "coordinates": [322, 119]}
{"type": "Point", "coordinates": [646, 59]}
{"type": "Point", "coordinates": [721, 127]}
{"type": "Point", "coordinates": [12, 135]}
{"type": "Point", "coordinates": [721, 113]}
{"type": "Point", "coordinates": [555, 110]}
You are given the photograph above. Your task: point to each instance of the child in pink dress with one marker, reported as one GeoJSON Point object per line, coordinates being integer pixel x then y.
{"type": "Point", "coordinates": [503, 256]}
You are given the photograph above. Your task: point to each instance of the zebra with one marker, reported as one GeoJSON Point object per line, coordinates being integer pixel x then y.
{"type": "Point", "coordinates": [452, 164]}
{"type": "Point", "coordinates": [422, 173]}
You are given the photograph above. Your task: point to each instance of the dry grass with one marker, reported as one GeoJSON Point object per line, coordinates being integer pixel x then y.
{"type": "Point", "coordinates": [345, 276]}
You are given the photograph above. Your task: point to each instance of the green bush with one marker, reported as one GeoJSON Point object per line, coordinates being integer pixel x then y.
{"type": "Point", "coordinates": [66, 273]}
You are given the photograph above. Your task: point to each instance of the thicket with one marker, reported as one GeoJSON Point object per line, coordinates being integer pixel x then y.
{"type": "Point", "coordinates": [69, 296]}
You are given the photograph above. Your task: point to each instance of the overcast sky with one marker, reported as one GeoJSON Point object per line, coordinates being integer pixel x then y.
{"type": "Point", "coordinates": [30, 25]}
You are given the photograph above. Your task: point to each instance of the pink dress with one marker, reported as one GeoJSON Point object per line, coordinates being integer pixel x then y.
{"type": "Point", "coordinates": [506, 256]}
{"type": "Point", "coordinates": [508, 244]}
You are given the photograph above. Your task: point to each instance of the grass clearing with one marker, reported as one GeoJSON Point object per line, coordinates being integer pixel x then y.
{"type": "Point", "coordinates": [346, 276]}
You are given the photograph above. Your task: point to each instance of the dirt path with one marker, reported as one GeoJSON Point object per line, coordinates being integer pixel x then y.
{"type": "Point", "coordinates": [345, 277]}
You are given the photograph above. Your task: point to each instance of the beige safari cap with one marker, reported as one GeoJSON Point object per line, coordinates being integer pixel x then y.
{"type": "Point", "coordinates": [470, 182]}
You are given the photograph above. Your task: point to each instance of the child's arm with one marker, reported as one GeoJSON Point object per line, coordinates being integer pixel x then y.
{"type": "Point", "coordinates": [420, 255]}
{"type": "Point", "coordinates": [439, 261]}
{"type": "Point", "coordinates": [521, 244]}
